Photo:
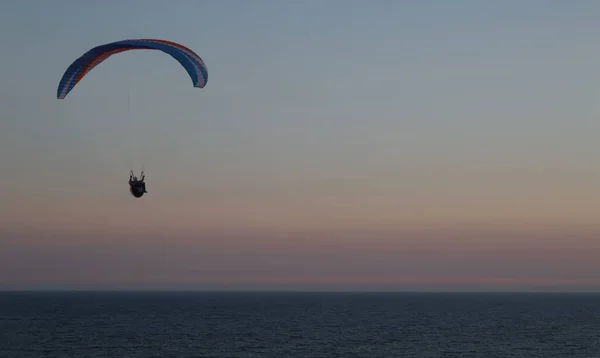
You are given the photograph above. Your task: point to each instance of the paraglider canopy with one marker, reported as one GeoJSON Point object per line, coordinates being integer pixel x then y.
{"type": "Point", "coordinates": [190, 61]}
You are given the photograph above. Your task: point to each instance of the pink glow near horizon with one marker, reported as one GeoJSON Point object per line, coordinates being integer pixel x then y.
{"type": "Point", "coordinates": [451, 257]}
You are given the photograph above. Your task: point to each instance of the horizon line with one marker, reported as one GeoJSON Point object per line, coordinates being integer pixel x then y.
{"type": "Point", "coordinates": [291, 290]}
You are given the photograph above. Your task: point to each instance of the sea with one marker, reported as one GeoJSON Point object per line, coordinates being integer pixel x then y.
{"type": "Point", "coordinates": [299, 324]}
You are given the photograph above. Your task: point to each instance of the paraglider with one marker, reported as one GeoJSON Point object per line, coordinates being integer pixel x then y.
{"type": "Point", "coordinates": [137, 187]}
{"type": "Point", "coordinates": [188, 59]}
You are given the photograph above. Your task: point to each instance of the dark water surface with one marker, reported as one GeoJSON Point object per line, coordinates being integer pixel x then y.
{"type": "Point", "coordinates": [54, 324]}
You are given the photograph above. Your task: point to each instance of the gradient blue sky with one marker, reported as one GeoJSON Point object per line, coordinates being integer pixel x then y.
{"type": "Point", "coordinates": [337, 144]}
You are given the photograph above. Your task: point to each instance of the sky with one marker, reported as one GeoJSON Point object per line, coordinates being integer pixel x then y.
{"type": "Point", "coordinates": [341, 144]}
